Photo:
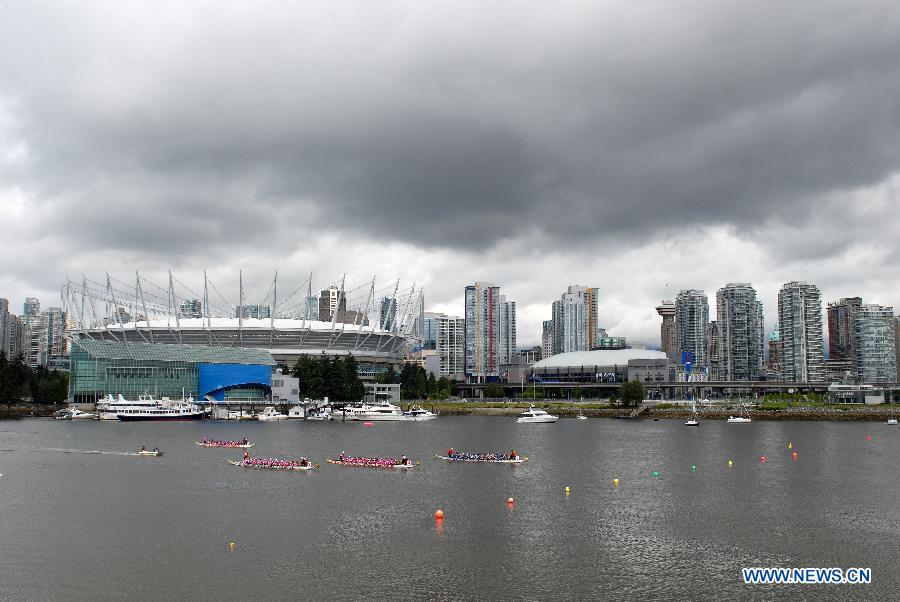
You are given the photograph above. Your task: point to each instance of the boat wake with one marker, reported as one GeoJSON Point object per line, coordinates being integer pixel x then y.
{"type": "Point", "coordinates": [61, 450]}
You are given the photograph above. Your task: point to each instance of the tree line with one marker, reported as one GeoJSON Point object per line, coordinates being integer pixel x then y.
{"type": "Point", "coordinates": [415, 383]}
{"type": "Point", "coordinates": [18, 381]}
{"type": "Point", "coordinates": [332, 377]}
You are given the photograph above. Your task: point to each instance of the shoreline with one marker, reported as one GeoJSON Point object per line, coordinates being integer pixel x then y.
{"type": "Point", "coordinates": [852, 413]}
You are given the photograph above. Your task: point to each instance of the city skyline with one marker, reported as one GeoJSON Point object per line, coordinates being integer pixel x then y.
{"type": "Point", "coordinates": [740, 169]}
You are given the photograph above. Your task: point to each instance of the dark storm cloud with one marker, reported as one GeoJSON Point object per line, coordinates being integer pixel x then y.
{"type": "Point", "coordinates": [449, 127]}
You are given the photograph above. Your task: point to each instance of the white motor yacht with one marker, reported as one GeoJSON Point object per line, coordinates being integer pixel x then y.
{"type": "Point", "coordinates": [271, 414]}
{"type": "Point", "coordinates": [381, 411]}
{"type": "Point", "coordinates": [534, 415]}
{"type": "Point", "coordinates": [738, 419]}
{"type": "Point", "coordinates": [351, 412]}
{"type": "Point", "coordinates": [417, 413]}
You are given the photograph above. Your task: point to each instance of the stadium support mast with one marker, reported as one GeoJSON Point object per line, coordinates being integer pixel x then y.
{"type": "Point", "coordinates": [240, 311]}
{"type": "Point", "coordinates": [337, 307]}
{"type": "Point", "coordinates": [175, 305]}
{"type": "Point", "coordinates": [112, 296]}
{"type": "Point", "coordinates": [140, 291]}
{"type": "Point", "coordinates": [206, 306]}
{"type": "Point", "coordinates": [274, 309]}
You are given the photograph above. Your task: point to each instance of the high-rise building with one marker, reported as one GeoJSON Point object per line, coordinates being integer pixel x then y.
{"type": "Point", "coordinates": [31, 308]}
{"type": "Point", "coordinates": [800, 331]}
{"type": "Point", "coordinates": [575, 320]}
{"type": "Point", "coordinates": [13, 340]}
{"type": "Point", "coordinates": [57, 342]}
{"type": "Point", "coordinates": [738, 317]}
{"type": "Point", "coordinates": [897, 345]}
{"type": "Point", "coordinates": [311, 311]}
{"type": "Point", "coordinates": [331, 300]}
{"type": "Point", "coordinates": [482, 331]}
{"type": "Point", "coordinates": [4, 320]}
{"type": "Point", "coordinates": [507, 329]}
{"type": "Point", "coordinates": [874, 340]}
{"type": "Point", "coordinates": [692, 327]}
{"type": "Point", "coordinates": [35, 343]}
{"type": "Point", "coordinates": [840, 328]}
{"type": "Point", "coordinates": [773, 365]}
{"type": "Point", "coordinates": [712, 337]}
{"type": "Point", "coordinates": [450, 335]}
{"type": "Point", "coordinates": [547, 338]}
{"type": "Point", "coordinates": [191, 308]}
{"type": "Point", "coordinates": [668, 340]}
{"type": "Point", "coordinates": [260, 312]}
{"type": "Point", "coordinates": [388, 315]}
{"type": "Point", "coordinates": [429, 330]}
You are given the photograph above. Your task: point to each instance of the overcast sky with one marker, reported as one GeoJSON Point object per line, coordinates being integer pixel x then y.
{"type": "Point", "coordinates": [640, 147]}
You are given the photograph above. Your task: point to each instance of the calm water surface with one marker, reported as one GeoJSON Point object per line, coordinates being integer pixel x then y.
{"type": "Point", "coordinates": [80, 525]}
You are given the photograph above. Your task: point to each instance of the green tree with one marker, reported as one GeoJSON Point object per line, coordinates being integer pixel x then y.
{"type": "Point", "coordinates": [431, 388]}
{"type": "Point", "coordinates": [390, 376]}
{"type": "Point", "coordinates": [493, 391]}
{"type": "Point", "coordinates": [355, 390]}
{"type": "Point", "coordinates": [632, 393]}
{"type": "Point", "coordinates": [577, 393]}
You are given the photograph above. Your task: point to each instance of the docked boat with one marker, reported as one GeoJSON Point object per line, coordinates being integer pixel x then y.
{"type": "Point", "coordinates": [274, 464]}
{"type": "Point", "coordinates": [320, 414]}
{"type": "Point", "coordinates": [146, 407]}
{"type": "Point", "coordinates": [534, 415]}
{"type": "Point", "coordinates": [73, 413]}
{"type": "Point", "coordinates": [271, 414]}
{"type": "Point", "coordinates": [402, 463]}
{"type": "Point", "coordinates": [417, 413]}
{"type": "Point", "coordinates": [692, 421]}
{"type": "Point", "coordinates": [226, 444]}
{"type": "Point", "coordinates": [381, 411]}
{"type": "Point", "coordinates": [351, 412]}
{"type": "Point", "coordinates": [741, 418]}
{"type": "Point", "coordinates": [239, 415]}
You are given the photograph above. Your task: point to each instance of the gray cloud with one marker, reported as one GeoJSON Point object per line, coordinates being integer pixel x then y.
{"type": "Point", "coordinates": [214, 132]}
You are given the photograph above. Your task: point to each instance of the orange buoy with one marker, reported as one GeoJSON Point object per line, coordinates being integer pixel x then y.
{"type": "Point", "coordinates": [868, 437]}
{"type": "Point", "coordinates": [368, 424]}
{"type": "Point", "coordinates": [762, 459]}
{"type": "Point", "coordinates": [439, 514]}
{"type": "Point", "coordinates": [794, 455]}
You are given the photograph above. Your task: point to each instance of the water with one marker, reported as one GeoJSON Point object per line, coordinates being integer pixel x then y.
{"type": "Point", "coordinates": [78, 524]}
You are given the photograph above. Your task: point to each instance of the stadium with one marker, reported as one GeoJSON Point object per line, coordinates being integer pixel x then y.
{"type": "Point", "coordinates": [376, 326]}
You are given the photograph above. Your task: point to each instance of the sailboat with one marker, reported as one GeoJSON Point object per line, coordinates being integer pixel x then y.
{"type": "Point", "coordinates": [739, 419]}
{"type": "Point", "coordinates": [692, 421]}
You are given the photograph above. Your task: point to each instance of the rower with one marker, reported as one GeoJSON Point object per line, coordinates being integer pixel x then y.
{"type": "Point", "coordinates": [404, 460]}
{"type": "Point", "coordinates": [246, 455]}
{"type": "Point", "coordinates": [513, 455]}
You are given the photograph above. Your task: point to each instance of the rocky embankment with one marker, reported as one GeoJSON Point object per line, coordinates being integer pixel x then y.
{"type": "Point", "coordinates": [850, 412]}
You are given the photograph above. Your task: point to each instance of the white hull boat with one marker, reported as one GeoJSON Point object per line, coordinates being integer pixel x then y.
{"type": "Point", "coordinates": [535, 416]}
{"type": "Point", "coordinates": [270, 414]}
{"type": "Point", "coordinates": [738, 420]}
{"type": "Point", "coordinates": [417, 414]}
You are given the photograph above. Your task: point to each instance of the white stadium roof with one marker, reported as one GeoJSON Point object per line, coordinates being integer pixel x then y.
{"type": "Point", "coordinates": [600, 357]}
{"type": "Point", "coordinates": [234, 324]}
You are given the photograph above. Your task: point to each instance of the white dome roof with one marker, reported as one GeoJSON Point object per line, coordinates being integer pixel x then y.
{"type": "Point", "coordinates": [600, 357]}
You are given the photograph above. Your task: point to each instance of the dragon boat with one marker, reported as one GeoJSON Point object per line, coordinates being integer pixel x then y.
{"type": "Point", "coordinates": [373, 462]}
{"type": "Point", "coordinates": [482, 458]}
{"type": "Point", "coordinates": [268, 464]}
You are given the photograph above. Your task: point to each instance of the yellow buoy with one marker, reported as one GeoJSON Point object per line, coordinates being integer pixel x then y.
{"type": "Point", "coordinates": [730, 462]}
{"type": "Point", "coordinates": [567, 489]}
{"type": "Point", "coordinates": [231, 545]}
{"type": "Point", "coordinates": [790, 445]}
{"type": "Point", "coordinates": [615, 482]}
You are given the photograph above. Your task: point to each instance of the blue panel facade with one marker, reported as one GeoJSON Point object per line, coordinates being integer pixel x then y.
{"type": "Point", "coordinates": [215, 378]}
